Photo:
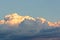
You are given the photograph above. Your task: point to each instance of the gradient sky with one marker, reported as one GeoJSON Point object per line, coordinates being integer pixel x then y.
{"type": "Point", "coordinates": [49, 9]}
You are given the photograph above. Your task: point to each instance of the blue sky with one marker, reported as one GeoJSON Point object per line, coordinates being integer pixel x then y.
{"type": "Point", "coordinates": [49, 9]}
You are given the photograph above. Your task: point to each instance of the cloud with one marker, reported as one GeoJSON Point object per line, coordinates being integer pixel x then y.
{"type": "Point", "coordinates": [17, 27]}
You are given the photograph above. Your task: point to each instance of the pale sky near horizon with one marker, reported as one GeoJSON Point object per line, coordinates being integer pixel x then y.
{"type": "Point", "coordinates": [49, 9]}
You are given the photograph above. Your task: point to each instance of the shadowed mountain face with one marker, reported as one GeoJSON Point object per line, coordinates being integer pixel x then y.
{"type": "Point", "coordinates": [15, 27]}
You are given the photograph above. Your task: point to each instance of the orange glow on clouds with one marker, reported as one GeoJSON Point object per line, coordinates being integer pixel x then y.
{"type": "Point", "coordinates": [42, 20]}
{"type": "Point", "coordinates": [13, 19]}
{"type": "Point", "coordinates": [2, 21]}
{"type": "Point", "coordinates": [55, 24]}
{"type": "Point", "coordinates": [16, 19]}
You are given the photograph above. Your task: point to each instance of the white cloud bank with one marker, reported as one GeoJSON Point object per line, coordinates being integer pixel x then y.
{"type": "Point", "coordinates": [15, 27]}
